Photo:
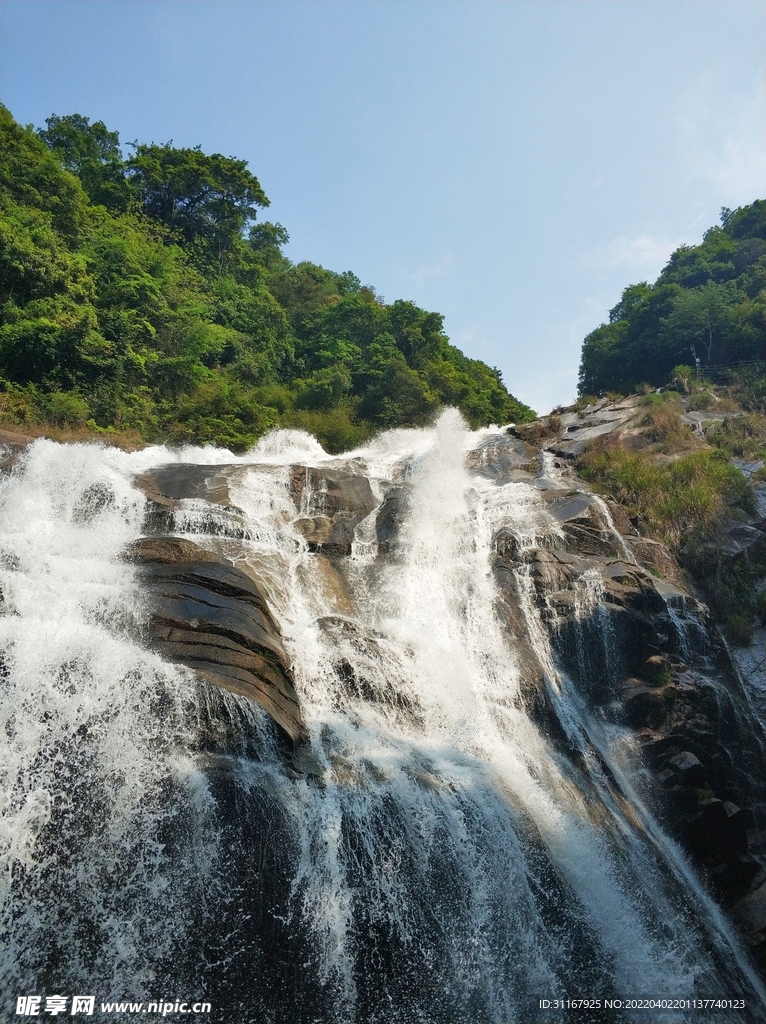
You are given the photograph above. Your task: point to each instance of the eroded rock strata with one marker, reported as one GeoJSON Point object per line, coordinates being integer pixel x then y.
{"type": "Point", "coordinates": [212, 617]}
{"type": "Point", "coordinates": [635, 699]}
{"type": "Point", "coordinates": [624, 623]}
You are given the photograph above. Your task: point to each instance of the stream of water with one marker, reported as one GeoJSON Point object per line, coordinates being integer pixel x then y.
{"type": "Point", "coordinates": [447, 862]}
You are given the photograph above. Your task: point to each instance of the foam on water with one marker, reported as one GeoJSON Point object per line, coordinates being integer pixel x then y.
{"type": "Point", "coordinates": [453, 864]}
{"type": "Point", "coordinates": [94, 734]}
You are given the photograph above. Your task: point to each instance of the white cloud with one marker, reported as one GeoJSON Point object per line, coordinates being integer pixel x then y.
{"type": "Point", "coordinates": [640, 255]}
{"type": "Point", "coordinates": [718, 158]}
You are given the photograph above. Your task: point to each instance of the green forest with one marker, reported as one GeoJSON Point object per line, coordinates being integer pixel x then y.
{"type": "Point", "coordinates": [709, 303]}
{"type": "Point", "coordinates": [141, 298]}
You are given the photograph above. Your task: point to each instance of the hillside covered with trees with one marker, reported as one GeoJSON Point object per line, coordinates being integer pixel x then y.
{"type": "Point", "coordinates": [139, 296]}
{"type": "Point", "coordinates": [709, 303]}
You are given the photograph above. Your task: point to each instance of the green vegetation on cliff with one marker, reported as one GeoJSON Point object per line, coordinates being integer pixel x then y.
{"type": "Point", "coordinates": [708, 303]}
{"type": "Point", "coordinates": [684, 489]}
{"type": "Point", "coordinates": [139, 296]}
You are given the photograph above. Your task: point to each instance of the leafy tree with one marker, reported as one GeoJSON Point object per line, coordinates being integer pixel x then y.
{"type": "Point", "coordinates": [394, 394]}
{"type": "Point", "coordinates": [746, 221]}
{"type": "Point", "coordinates": [304, 289]}
{"type": "Point", "coordinates": [93, 153]}
{"type": "Point", "coordinates": [266, 241]}
{"type": "Point", "coordinates": [259, 322]}
{"type": "Point", "coordinates": [700, 315]}
{"type": "Point", "coordinates": [325, 388]}
{"type": "Point", "coordinates": [711, 297]}
{"type": "Point", "coordinates": [203, 199]}
{"type": "Point", "coordinates": [32, 176]}
{"type": "Point", "coordinates": [633, 297]}
{"type": "Point", "coordinates": [141, 296]}
{"type": "Point", "coordinates": [602, 365]}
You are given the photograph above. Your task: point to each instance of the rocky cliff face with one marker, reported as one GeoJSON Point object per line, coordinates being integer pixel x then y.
{"type": "Point", "coordinates": [402, 732]}
{"type": "Point", "coordinates": [625, 624]}
{"type": "Point", "coordinates": [656, 663]}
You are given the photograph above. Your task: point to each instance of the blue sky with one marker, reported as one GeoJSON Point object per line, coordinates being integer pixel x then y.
{"type": "Point", "coordinates": [510, 164]}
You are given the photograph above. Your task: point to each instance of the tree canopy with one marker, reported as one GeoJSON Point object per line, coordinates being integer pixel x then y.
{"type": "Point", "coordinates": [142, 294]}
{"type": "Point", "coordinates": [709, 303]}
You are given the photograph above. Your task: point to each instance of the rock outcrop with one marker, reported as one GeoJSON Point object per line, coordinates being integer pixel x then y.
{"type": "Point", "coordinates": [333, 503]}
{"type": "Point", "coordinates": [211, 617]}
{"type": "Point", "coordinates": [650, 658]}
{"type": "Point", "coordinates": [625, 624]}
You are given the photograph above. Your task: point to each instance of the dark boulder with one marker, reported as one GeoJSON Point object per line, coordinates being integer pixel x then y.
{"type": "Point", "coordinates": [647, 707]}
{"type": "Point", "coordinates": [688, 768]}
{"type": "Point", "coordinates": [503, 458]}
{"type": "Point", "coordinates": [391, 515]}
{"type": "Point", "coordinates": [213, 618]}
{"type": "Point", "coordinates": [332, 503]}
{"type": "Point", "coordinates": [717, 833]}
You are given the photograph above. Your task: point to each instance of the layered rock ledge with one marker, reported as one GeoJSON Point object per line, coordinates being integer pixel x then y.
{"type": "Point", "coordinates": [214, 619]}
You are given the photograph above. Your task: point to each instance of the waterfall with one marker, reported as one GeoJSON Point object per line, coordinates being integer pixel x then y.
{"type": "Point", "coordinates": [446, 859]}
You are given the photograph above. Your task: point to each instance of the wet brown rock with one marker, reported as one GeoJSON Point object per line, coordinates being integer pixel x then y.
{"type": "Point", "coordinates": [330, 536]}
{"type": "Point", "coordinates": [166, 487]}
{"type": "Point", "coordinates": [645, 706]}
{"type": "Point", "coordinates": [327, 491]}
{"type": "Point", "coordinates": [503, 458]}
{"type": "Point", "coordinates": [166, 551]}
{"type": "Point", "coordinates": [656, 556]}
{"type": "Point", "coordinates": [391, 515]}
{"type": "Point", "coordinates": [620, 519]}
{"type": "Point", "coordinates": [12, 446]}
{"type": "Point", "coordinates": [211, 617]}
{"type": "Point", "coordinates": [584, 523]}
{"type": "Point", "coordinates": [15, 437]}
{"type": "Point", "coordinates": [333, 503]}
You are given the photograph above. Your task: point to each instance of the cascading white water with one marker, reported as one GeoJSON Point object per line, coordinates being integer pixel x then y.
{"type": "Point", "coordinates": [94, 766]}
{"type": "Point", "coordinates": [451, 863]}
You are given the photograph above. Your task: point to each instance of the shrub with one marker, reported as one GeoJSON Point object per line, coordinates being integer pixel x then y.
{"type": "Point", "coordinates": [18, 405]}
{"type": "Point", "coordinates": [335, 430]}
{"type": "Point", "coordinates": [742, 437]}
{"type": "Point", "coordinates": [703, 400]}
{"type": "Point", "coordinates": [748, 387]}
{"type": "Point", "coordinates": [662, 398]}
{"type": "Point", "coordinates": [66, 407]}
{"type": "Point", "coordinates": [739, 629]}
{"type": "Point", "coordinates": [685, 378]}
{"type": "Point", "coordinates": [663, 424]}
{"type": "Point", "coordinates": [583, 402]}
{"type": "Point", "coordinates": [677, 500]}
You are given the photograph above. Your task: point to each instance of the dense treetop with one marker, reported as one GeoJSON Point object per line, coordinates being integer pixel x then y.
{"type": "Point", "coordinates": [708, 303]}
{"type": "Point", "coordinates": [140, 294]}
